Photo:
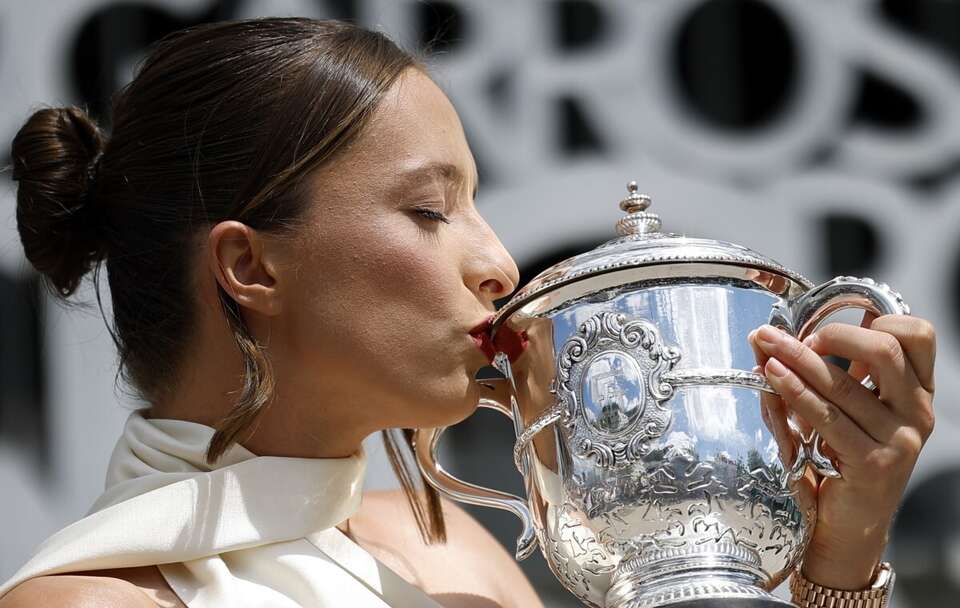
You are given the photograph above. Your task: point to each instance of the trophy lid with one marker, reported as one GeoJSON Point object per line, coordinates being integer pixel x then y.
{"type": "Point", "coordinates": [642, 252]}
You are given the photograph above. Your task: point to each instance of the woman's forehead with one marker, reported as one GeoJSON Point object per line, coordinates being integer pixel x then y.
{"type": "Point", "coordinates": [414, 134]}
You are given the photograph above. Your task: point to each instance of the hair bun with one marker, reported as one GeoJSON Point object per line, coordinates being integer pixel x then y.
{"type": "Point", "coordinates": [55, 155]}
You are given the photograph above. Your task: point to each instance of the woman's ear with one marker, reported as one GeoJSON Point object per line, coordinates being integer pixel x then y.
{"type": "Point", "coordinates": [243, 268]}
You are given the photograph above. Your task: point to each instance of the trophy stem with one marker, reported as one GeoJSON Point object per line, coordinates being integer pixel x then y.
{"type": "Point", "coordinates": [690, 581]}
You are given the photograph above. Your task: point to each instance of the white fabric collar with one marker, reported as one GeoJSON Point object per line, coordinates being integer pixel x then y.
{"type": "Point", "coordinates": [248, 531]}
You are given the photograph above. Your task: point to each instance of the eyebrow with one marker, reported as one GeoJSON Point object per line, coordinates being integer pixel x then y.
{"type": "Point", "coordinates": [445, 171]}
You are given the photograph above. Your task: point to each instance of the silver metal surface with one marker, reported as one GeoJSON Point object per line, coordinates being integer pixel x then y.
{"type": "Point", "coordinates": [652, 478]}
{"type": "Point", "coordinates": [681, 483]}
{"type": "Point", "coordinates": [637, 220]}
{"type": "Point", "coordinates": [425, 448]}
{"type": "Point", "coordinates": [641, 244]}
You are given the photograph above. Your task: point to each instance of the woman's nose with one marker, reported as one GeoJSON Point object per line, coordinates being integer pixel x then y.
{"type": "Point", "coordinates": [495, 275]}
{"type": "Point", "coordinates": [494, 289]}
{"type": "Point", "coordinates": [502, 280]}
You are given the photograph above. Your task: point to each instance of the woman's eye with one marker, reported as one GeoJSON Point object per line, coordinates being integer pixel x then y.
{"type": "Point", "coordinates": [430, 214]}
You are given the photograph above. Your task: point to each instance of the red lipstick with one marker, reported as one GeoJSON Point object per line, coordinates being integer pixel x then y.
{"type": "Point", "coordinates": [510, 342]}
{"type": "Point", "coordinates": [481, 337]}
{"type": "Point", "coordinates": [507, 341]}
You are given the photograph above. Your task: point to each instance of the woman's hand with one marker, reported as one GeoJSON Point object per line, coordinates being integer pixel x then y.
{"type": "Point", "coordinates": [874, 438]}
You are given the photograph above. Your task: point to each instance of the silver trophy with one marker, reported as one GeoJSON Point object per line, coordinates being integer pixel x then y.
{"type": "Point", "coordinates": [651, 476]}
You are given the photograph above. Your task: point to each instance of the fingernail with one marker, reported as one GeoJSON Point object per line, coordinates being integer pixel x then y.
{"type": "Point", "coordinates": [768, 336]}
{"type": "Point", "coordinates": [809, 340]}
{"type": "Point", "coordinates": [756, 369]}
{"type": "Point", "coordinates": [775, 368]}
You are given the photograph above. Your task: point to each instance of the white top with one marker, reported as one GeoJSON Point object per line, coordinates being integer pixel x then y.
{"type": "Point", "coordinates": [248, 531]}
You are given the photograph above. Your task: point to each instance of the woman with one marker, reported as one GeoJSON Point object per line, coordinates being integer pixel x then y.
{"type": "Point", "coordinates": [285, 210]}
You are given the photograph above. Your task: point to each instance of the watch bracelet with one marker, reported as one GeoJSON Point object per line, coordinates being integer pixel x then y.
{"type": "Point", "coordinates": [811, 595]}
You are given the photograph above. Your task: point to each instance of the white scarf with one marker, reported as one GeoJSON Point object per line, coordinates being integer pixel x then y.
{"type": "Point", "coordinates": [251, 531]}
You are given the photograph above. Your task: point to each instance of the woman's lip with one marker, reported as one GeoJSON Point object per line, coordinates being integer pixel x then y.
{"type": "Point", "coordinates": [508, 341]}
{"type": "Point", "coordinates": [485, 344]}
{"type": "Point", "coordinates": [481, 337]}
{"type": "Point", "coordinates": [482, 327]}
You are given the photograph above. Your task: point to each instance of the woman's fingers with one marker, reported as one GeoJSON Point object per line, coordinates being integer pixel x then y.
{"type": "Point", "coordinates": [772, 405]}
{"type": "Point", "coordinates": [887, 361]}
{"type": "Point", "coordinates": [758, 353]}
{"type": "Point", "coordinates": [858, 369]}
{"type": "Point", "coordinates": [846, 438]}
{"type": "Point", "coordinates": [772, 409]}
{"type": "Point", "coordinates": [775, 417]}
{"type": "Point", "coordinates": [918, 339]}
{"type": "Point", "coordinates": [830, 382]}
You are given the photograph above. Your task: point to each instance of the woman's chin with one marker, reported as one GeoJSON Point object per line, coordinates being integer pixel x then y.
{"type": "Point", "coordinates": [447, 408]}
{"type": "Point", "coordinates": [452, 413]}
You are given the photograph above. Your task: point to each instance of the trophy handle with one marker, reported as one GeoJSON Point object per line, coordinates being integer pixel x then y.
{"type": "Point", "coordinates": [809, 311]}
{"type": "Point", "coordinates": [426, 442]}
{"type": "Point", "coordinates": [845, 292]}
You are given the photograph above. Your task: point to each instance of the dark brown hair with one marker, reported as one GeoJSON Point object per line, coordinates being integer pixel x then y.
{"type": "Point", "coordinates": [223, 121]}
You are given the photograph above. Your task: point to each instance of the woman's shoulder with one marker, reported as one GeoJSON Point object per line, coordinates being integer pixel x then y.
{"type": "Point", "coordinates": [127, 588]}
{"type": "Point", "coordinates": [388, 510]}
{"type": "Point", "coordinates": [471, 562]}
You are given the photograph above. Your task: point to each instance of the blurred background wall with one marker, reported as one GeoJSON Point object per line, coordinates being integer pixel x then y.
{"type": "Point", "coordinates": [825, 134]}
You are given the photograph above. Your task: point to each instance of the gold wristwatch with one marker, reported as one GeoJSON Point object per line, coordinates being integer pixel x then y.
{"type": "Point", "coordinates": [812, 595]}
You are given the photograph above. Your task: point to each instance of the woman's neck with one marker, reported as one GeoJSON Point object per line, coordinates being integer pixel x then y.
{"type": "Point", "coordinates": [277, 431]}
{"type": "Point", "coordinates": [295, 424]}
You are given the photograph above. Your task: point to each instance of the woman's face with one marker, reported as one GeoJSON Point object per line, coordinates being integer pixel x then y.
{"type": "Point", "coordinates": [393, 268]}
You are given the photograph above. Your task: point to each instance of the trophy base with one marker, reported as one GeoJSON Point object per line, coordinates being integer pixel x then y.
{"type": "Point", "coordinates": [739, 602]}
{"type": "Point", "coordinates": [706, 592]}
{"type": "Point", "coordinates": [723, 578]}
{"type": "Point", "coordinates": [710, 596]}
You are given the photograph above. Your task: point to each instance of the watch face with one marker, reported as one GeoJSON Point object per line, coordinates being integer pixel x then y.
{"type": "Point", "coordinates": [925, 544]}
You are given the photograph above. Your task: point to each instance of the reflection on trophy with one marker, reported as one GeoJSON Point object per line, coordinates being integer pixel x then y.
{"type": "Point", "coordinates": [607, 392]}
{"type": "Point", "coordinates": [652, 478]}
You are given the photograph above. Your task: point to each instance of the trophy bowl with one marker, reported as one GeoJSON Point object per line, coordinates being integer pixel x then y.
{"type": "Point", "coordinates": [652, 478]}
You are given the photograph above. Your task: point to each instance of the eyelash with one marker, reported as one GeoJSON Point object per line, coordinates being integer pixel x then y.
{"type": "Point", "coordinates": [430, 214]}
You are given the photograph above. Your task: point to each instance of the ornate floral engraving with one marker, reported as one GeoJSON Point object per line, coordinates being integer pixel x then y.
{"type": "Point", "coordinates": [610, 388]}
{"type": "Point", "coordinates": [576, 557]}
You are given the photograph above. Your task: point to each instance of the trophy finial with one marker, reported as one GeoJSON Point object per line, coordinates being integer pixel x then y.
{"type": "Point", "coordinates": [635, 201]}
{"type": "Point", "coordinates": [637, 220]}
